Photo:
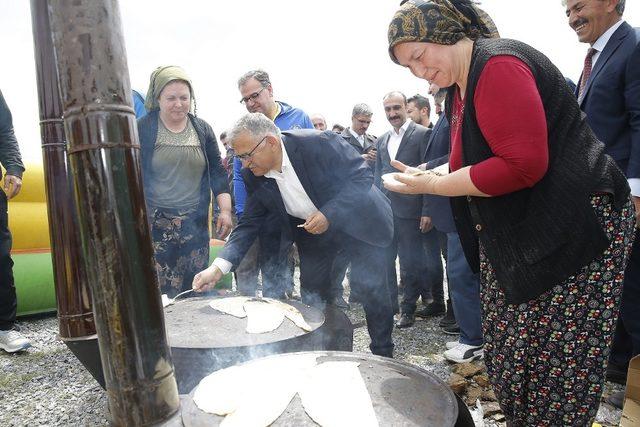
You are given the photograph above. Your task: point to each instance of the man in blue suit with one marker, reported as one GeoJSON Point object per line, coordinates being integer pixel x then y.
{"type": "Point", "coordinates": [313, 184]}
{"type": "Point", "coordinates": [609, 93]}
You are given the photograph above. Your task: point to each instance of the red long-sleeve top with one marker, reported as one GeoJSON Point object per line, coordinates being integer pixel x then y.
{"type": "Point", "coordinates": [511, 117]}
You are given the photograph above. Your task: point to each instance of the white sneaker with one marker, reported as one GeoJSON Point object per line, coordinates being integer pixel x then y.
{"type": "Point", "coordinates": [12, 341]}
{"type": "Point", "coordinates": [452, 344]}
{"type": "Point", "coordinates": [464, 353]}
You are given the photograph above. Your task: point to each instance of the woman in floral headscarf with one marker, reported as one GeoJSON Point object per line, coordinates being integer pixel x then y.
{"type": "Point", "coordinates": [541, 211]}
{"type": "Point", "coordinates": [181, 167]}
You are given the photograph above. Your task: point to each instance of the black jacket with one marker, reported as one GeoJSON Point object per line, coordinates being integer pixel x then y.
{"type": "Point", "coordinates": [436, 154]}
{"type": "Point", "coordinates": [337, 181]}
{"type": "Point", "coordinates": [537, 237]}
{"type": "Point", "coordinates": [411, 152]}
{"type": "Point", "coordinates": [10, 157]}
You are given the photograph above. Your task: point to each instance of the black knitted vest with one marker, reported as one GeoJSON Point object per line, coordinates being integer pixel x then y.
{"type": "Point", "coordinates": [537, 237]}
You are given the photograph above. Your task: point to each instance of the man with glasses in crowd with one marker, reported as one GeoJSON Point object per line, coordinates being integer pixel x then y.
{"type": "Point", "coordinates": [289, 184]}
{"type": "Point", "coordinates": [277, 275]}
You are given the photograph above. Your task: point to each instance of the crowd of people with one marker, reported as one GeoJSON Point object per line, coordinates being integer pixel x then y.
{"type": "Point", "coordinates": [527, 188]}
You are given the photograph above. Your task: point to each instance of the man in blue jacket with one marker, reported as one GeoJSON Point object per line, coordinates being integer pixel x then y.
{"type": "Point", "coordinates": [10, 339]}
{"type": "Point", "coordinates": [277, 278]}
{"type": "Point", "coordinates": [312, 184]}
{"type": "Point", "coordinates": [609, 93]}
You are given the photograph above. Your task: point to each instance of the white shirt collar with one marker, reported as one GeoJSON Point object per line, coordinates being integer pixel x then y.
{"type": "Point", "coordinates": [285, 164]}
{"type": "Point", "coordinates": [604, 38]}
{"type": "Point", "coordinates": [403, 128]}
{"type": "Point", "coordinates": [355, 135]}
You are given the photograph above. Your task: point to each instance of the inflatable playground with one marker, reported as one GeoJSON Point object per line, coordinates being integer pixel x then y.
{"type": "Point", "coordinates": [31, 250]}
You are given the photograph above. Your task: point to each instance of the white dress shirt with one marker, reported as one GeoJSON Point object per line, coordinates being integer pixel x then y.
{"type": "Point", "coordinates": [395, 138]}
{"type": "Point", "coordinates": [602, 42]}
{"type": "Point", "coordinates": [297, 202]}
{"type": "Point", "coordinates": [599, 46]}
{"type": "Point", "coordinates": [360, 138]}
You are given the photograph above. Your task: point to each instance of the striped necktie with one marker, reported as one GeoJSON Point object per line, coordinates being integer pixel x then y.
{"type": "Point", "coordinates": [586, 71]}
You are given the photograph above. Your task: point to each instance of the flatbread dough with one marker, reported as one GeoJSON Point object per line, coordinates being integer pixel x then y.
{"type": "Point", "coordinates": [262, 316]}
{"type": "Point", "coordinates": [220, 392]}
{"type": "Point", "coordinates": [230, 305]}
{"type": "Point", "coordinates": [266, 318]}
{"type": "Point", "coordinates": [254, 394]}
{"type": "Point", "coordinates": [292, 314]}
{"type": "Point", "coordinates": [335, 395]}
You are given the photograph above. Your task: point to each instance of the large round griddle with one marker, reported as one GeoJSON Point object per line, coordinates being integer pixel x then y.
{"type": "Point", "coordinates": [203, 340]}
{"type": "Point", "coordinates": [402, 395]}
{"type": "Point", "coordinates": [194, 324]}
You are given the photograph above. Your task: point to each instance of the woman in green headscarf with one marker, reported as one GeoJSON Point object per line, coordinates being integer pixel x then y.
{"type": "Point", "coordinates": [181, 167]}
{"type": "Point", "coordinates": [542, 213]}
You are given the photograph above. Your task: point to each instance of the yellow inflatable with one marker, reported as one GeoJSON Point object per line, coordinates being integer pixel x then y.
{"type": "Point", "coordinates": [31, 249]}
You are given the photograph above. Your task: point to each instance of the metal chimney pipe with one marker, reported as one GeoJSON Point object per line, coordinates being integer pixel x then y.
{"type": "Point", "coordinates": [104, 156]}
{"type": "Point", "coordinates": [73, 297]}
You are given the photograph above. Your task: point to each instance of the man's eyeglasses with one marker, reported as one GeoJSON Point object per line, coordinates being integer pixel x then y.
{"type": "Point", "coordinates": [252, 97]}
{"type": "Point", "coordinates": [247, 156]}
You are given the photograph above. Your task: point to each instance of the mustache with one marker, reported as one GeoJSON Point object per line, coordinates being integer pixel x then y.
{"type": "Point", "coordinates": [578, 23]}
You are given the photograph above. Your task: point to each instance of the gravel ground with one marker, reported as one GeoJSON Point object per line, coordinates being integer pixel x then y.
{"type": "Point", "coordinates": [46, 385]}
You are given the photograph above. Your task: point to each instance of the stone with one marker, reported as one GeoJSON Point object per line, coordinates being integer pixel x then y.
{"type": "Point", "coordinates": [482, 380]}
{"type": "Point", "coordinates": [488, 396]}
{"type": "Point", "coordinates": [473, 394]}
{"type": "Point", "coordinates": [468, 370]}
{"type": "Point", "coordinates": [457, 383]}
{"type": "Point", "coordinates": [490, 409]}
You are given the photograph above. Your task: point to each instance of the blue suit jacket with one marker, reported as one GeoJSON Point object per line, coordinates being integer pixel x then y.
{"type": "Point", "coordinates": [336, 179]}
{"type": "Point", "coordinates": [611, 99]}
{"type": "Point", "coordinates": [437, 153]}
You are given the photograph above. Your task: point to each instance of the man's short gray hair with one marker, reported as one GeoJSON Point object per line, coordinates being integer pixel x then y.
{"type": "Point", "coordinates": [260, 75]}
{"type": "Point", "coordinates": [361, 110]}
{"type": "Point", "coordinates": [256, 124]}
{"type": "Point", "coordinates": [619, 6]}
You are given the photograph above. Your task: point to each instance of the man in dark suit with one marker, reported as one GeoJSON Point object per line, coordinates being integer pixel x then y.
{"type": "Point", "coordinates": [609, 93]}
{"type": "Point", "coordinates": [357, 135]}
{"type": "Point", "coordinates": [405, 142]}
{"type": "Point", "coordinates": [364, 144]}
{"type": "Point", "coordinates": [433, 241]}
{"type": "Point", "coordinates": [313, 183]}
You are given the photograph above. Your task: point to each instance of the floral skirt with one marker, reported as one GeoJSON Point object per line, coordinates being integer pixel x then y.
{"type": "Point", "coordinates": [181, 248]}
{"type": "Point", "coordinates": [546, 358]}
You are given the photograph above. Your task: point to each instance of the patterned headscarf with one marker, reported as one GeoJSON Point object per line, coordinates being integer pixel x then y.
{"type": "Point", "coordinates": [439, 21]}
{"type": "Point", "coordinates": [161, 77]}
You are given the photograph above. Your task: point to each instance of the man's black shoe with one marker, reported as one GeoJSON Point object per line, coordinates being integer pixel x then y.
{"type": "Point", "coordinates": [616, 374]}
{"type": "Point", "coordinates": [430, 310]}
{"type": "Point", "coordinates": [405, 321]}
{"type": "Point", "coordinates": [341, 303]}
{"type": "Point", "coordinates": [451, 329]}
{"type": "Point", "coordinates": [449, 318]}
